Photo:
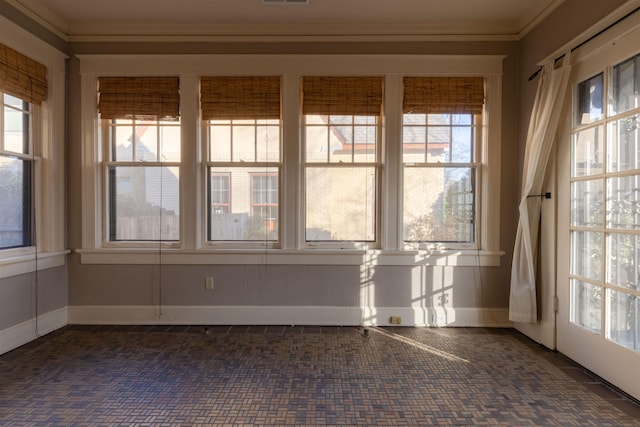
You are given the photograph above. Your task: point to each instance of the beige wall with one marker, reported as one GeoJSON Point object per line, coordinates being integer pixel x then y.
{"type": "Point", "coordinates": [462, 287]}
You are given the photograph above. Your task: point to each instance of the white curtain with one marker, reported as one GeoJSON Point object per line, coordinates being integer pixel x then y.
{"type": "Point", "coordinates": [541, 136]}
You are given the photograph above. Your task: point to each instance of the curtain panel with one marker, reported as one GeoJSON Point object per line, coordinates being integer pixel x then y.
{"type": "Point", "coordinates": [541, 136]}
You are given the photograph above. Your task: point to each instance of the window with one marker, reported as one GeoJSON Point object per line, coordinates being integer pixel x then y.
{"type": "Point", "coordinates": [242, 116]}
{"type": "Point", "coordinates": [23, 86]}
{"type": "Point", "coordinates": [291, 160]}
{"type": "Point", "coordinates": [341, 158]}
{"type": "Point", "coordinates": [441, 123]}
{"type": "Point", "coordinates": [605, 204]}
{"type": "Point", "coordinates": [141, 128]}
{"type": "Point", "coordinates": [16, 167]}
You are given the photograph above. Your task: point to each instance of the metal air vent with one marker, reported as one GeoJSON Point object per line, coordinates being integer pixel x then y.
{"type": "Point", "coordinates": [285, 1]}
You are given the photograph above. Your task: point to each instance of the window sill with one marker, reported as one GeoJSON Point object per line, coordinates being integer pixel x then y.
{"type": "Point", "coordinates": [27, 262]}
{"type": "Point", "coordinates": [290, 257]}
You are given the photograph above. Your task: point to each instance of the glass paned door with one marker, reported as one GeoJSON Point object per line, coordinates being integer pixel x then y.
{"type": "Point", "coordinates": [599, 261]}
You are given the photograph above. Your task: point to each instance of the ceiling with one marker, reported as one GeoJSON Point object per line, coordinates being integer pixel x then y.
{"type": "Point", "coordinates": [489, 19]}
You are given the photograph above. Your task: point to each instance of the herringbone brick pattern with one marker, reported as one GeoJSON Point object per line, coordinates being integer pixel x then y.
{"type": "Point", "coordinates": [291, 376]}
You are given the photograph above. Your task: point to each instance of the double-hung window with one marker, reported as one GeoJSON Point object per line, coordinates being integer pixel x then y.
{"type": "Point", "coordinates": [16, 169]}
{"type": "Point", "coordinates": [243, 158]}
{"type": "Point", "coordinates": [141, 134]}
{"type": "Point", "coordinates": [23, 87]}
{"type": "Point", "coordinates": [441, 125]}
{"type": "Point", "coordinates": [341, 159]}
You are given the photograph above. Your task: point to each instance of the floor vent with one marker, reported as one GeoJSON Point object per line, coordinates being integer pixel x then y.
{"type": "Point", "coordinates": [285, 1]}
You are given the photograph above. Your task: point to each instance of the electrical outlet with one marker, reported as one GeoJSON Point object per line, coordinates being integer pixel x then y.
{"type": "Point", "coordinates": [208, 283]}
{"type": "Point", "coordinates": [395, 320]}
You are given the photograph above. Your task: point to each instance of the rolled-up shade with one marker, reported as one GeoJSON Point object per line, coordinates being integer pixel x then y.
{"type": "Point", "coordinates": [139, 97]}
{"type": "Point", "coordinates": [342, 95]}
{"type": "Point", "coordinates": [441, 95]}
{"type": "Point", "coordinates": [22, 77]}
{"type": "Point", "coordinates": [240, 97]}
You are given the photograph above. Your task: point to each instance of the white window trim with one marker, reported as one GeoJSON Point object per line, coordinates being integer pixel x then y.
{"type": "Point", "coordinates": [48, 147]}
{"type": "Point", "coordinates": [193, 249]}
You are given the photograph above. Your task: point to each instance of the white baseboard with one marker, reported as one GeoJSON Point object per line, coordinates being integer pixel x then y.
{"type": "Point", "coordinates": [24, 332]}
{"type": "Point", "coordinates": [287, 315]}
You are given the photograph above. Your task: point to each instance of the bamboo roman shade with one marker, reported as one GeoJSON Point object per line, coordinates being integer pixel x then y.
{"type": "Point", "coordinates": [342, 96]}
{"type": "Point", "coordinates": [440, 95]}
{"type": "Point", "coordinates": [21, 76]}
{"type": "Point", "coordinates": [236, 98]}
{"type": "Point", "coordinates": [139, 97]}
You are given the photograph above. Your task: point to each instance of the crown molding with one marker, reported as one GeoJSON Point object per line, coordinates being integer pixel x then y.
{"type": "Point", "coordinates": [42, 15]}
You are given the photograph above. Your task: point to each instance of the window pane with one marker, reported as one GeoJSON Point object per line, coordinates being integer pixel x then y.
{"type": "Point", "coordinates": [624, 319]}
{"type": "Point", "coordinates": [15, 202]}
{"type": "Point", "coordinates": [623, 202]}
{"type": "Point", "coordinates": [414, 143]}
{"type": "Point", "coordinates": [268, 138]}
{"type": "Point", "coordinates": [316, 142]}
{"type": "Point", "coordinates": [16, 125]}
{"type": "Point", "coordinates": [589, 100]}
{"type": "Point", "coordinates": [340, 204]}
{"type": "Point", "coordinates": [586, 203]}
{"type": "Point", "coordinates": [414, 119]}
{"type": "Point", "coordinates": [587, 152]}
{"type": "Point", "coordinates": [341, 144]}
{"type": "Point", "coordinates": [243, 139]}
{"type": "Point", "coordinates": [439, 204]}
{"type": "Point", "coordinates": [586, 305]}
{"type": "Point", "coordinates": [462, 147]}
{"type": "Point", "coordinates": [625, 82]}
{"type": "Point", "coordinates": [244, 204]}
{"type": "Point", "coordinates": [439, 144]}
{"type": "Point", "coordinates": [170, 143]}
{"type": "Point", "coordinates": [624, 144]}
{"type": "Point", "coordinates": [623, 260]}
{"type": "Point", "coordinates": [122, 142]}
{"type": "Point", "coordinates": [586, 254]}
{"type": "Point", "coordinates": [146, 142]}
{"type": "Point", "coordinates": [220, 193]}
{"type": "Point", "coordinates": [144, 203]}
{"type": "Point", "coordinates": [220, 142]}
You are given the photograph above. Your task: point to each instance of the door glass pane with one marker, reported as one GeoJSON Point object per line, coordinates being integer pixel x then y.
{"type": "Point", "coordinates": [586, 203]}
{"type": "Point", "coordinates": [586, 304]}
{"type": "Point", "coordinates": [624, 319]}
{"type": "Point", "coordinates": [586, 258]}
{"type": "Point", "coordinates": [623, 146]}
{"type": "Point", "coordinates": [623, 262]}
{"type": "Point", "coordinates": [587, 152]}
{"type": "Point", "coordinates": [589, 99]}
{"type": "Point", "coordinates": [623, 202]}
{"type": "Point", "coordinates": [625, 85]}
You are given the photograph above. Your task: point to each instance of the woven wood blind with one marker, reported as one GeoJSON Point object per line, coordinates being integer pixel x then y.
{"type": "Point", "coordinates": [139, 97]}
{"type": "Point", "coordinates": [21, 76]}
{"type": "Point", "coordinates": [439, 95]}
{"type": "Point", "coordinates": [342, 95]}
{"type": "Point", "coordinates": [237, 98]}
